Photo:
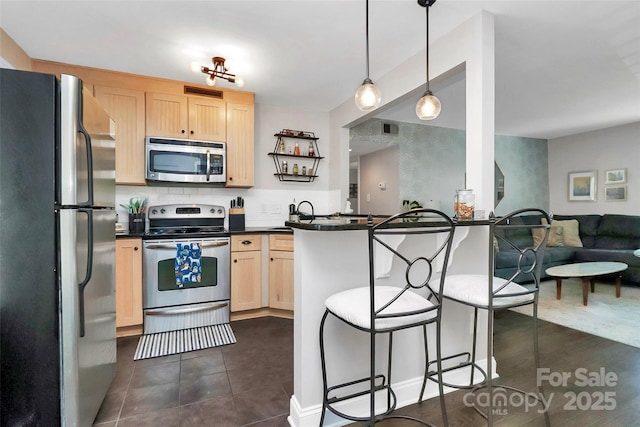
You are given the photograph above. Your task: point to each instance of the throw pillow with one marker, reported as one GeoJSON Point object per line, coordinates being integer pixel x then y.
{"type": "Point", "coordinates": [570, 231]}
{"type": "Point", "coordinates": [556, 237]}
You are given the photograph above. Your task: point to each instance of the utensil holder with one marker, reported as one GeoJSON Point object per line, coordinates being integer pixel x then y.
{"type": "Point", "coordinates": [137, 223]}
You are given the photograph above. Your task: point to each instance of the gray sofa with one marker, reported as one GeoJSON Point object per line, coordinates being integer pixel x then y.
{"type": "Point", "coordinates": [604, 238]}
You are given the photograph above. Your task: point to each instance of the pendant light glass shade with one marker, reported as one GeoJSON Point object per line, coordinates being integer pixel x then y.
{"type": "Point", "coordinates": [428, 107]}
{"type": "Point", "coordinates": [368, 96]}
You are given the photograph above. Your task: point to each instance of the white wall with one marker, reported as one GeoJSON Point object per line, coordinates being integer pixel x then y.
{"type": "Point", "coordinates": [266, 204]}
{"type": "Point", "coordinates": [375, 168]}
{"type": "Point", "coordinates": [612, 148]}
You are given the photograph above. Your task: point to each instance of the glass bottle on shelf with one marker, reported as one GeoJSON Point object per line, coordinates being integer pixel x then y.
{"type": "Point", "coordinates": [281, 147]}
{"type": "Point", "coordinates": [311, 150]}
{"type": "Point", "coordinates": [295, 169]}
{"type": "Point", "coordinates": [296, 150]}
{"type": "Point", "coordinates": [284, 166]}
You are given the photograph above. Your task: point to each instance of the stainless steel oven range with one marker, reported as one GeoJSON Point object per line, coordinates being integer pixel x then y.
{"type": "Point", "coordinates": [186, 268]}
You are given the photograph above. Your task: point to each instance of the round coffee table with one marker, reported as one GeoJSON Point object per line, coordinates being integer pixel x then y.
{"type": "Point", "coordinates": [587, 271]}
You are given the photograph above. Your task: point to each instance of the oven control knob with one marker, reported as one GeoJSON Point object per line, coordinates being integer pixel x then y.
{"type": "Point", "coordinates": [162, 211]}
{"type": "Point", "coordinates": [219, 211]}
{"type": "Point", "coordinates": [212, 210]}
{"type": "Point", "coordinates": [154, 211]}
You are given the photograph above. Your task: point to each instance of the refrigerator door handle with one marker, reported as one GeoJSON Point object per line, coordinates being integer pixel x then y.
{"type": "Point", "coordinates": [87, 139]}
{"type": "Point", "coordinates": [82, 285]}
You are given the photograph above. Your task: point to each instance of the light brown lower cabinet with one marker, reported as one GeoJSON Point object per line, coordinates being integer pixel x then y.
{"type": "Point", "coordinates": [128, 286]}
{"type": "Point", "coordinates": [281, 271]}
{"type": "Point", "coordinates": [246, 272]}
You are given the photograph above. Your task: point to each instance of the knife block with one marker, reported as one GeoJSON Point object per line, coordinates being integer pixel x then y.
{"type": "Point", "coordinates": [236, 219]}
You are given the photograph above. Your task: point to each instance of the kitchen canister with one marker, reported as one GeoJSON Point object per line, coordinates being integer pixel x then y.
{"type": "Point", "coordinates": [464, 204]}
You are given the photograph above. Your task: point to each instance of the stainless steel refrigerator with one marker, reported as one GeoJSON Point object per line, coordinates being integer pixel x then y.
{"type": "Point", "coordinates": [57, 251]}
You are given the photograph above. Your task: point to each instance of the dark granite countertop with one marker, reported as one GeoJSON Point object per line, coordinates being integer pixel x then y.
{"type": "Point", "coordinates": [344, 223]}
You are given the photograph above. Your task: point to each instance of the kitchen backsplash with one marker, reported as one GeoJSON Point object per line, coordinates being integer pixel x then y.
{"type": "Point", "coordinates": [263, 208]}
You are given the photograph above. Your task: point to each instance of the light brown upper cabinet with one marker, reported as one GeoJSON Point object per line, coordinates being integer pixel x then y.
{"type": "Point", "coordinates": [186, 117]}
{"type": "Point", "coordinates": [240, 145]}
{"type": "Point", "coordinates": [126, 107]}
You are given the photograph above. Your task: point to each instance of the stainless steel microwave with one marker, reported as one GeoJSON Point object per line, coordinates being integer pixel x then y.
{"type": "Point", "coordinates": [185, 160]}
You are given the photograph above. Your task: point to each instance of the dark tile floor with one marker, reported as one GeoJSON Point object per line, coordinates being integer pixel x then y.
{"type": "Point", "coordinates": [246, 383]}
{"type": "Point", "coordinates": [250, 382]}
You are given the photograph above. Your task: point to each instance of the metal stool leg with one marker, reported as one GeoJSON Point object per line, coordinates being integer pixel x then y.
{"type": "Point", "coordinates": [324, 368]}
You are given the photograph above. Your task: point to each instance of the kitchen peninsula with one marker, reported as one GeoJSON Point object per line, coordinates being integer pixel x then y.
{"type": "Point", "coordinates": [330, 257]}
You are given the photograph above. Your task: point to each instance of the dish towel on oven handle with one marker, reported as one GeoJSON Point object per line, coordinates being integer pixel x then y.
{"type": "Point", "coordinates": [188, 267]}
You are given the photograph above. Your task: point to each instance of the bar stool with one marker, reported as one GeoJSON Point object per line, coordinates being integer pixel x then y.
{"type": "Point", "coordinates": [521, 238]}
{"type": "Point", "coordinates": [407, 302]}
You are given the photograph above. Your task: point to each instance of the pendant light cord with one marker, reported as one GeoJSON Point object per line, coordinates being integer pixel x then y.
{"type": "Point", "coordinates": [367, 35]}
{"type": "Point", "coordinates": [427, 56]}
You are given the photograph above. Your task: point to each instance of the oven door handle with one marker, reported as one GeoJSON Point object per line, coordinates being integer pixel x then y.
{"type": "Point", "coordinates": [203, 245]}
{"type": "Point", "coordinates": [185, 310]}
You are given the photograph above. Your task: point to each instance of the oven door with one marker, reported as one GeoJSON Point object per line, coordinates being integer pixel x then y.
{"type": "Point", "coordinates": [160, 288]}
{"type": "Point", "coordinates": [178, 161]}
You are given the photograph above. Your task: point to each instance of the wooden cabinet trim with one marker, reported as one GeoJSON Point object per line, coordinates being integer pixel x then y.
{"type": "Point", "coordinates": [118, 79]}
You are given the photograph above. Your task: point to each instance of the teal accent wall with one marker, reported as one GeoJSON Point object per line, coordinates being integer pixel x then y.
{"type": "Point", "coordinates": [432, 164]}
{"type": "Point", "coordinates": [524, 163]}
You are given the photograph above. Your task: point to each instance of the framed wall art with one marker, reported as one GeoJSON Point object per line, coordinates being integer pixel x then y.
{"type": "Point", "coordinates": [615, 193]}
{"type": "Point", "coordinates": [582, 186]}
{"type": "Point", "coordinates": [615, 176]}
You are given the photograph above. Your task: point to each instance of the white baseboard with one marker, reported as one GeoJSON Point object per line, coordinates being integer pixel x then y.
{"type": "Point", "coordinates": [407, 393]}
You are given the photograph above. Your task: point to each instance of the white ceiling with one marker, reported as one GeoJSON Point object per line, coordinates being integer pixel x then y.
{"type": "Point", "coordinates": [562, 67]}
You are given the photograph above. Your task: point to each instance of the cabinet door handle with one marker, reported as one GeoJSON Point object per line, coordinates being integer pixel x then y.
{"type": "Point", "coordinates": [135, 248]}
{"type": "Point", "coordinates": [182, 131]}
{"type": "Point", "coordinates": [271, 259]}
{"type": "Point", "coordinates": [235, 260]}
{"type": "Point", "coordinates": [192, 132]}
{"type": "Point", "coordinates": [247, 242]}
{"type": "Point", "coordinates": [230, 178]}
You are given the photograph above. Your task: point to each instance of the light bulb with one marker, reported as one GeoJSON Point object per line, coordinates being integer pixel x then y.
{"type": "Point", "coordinates": [195, 67]}
{"type": "Point", "coordinates": [368, 96]}
{"type": "Point", "coordinates": [428, 107]}
{"type": "Point", "coordinates": [239, 81]}
{"type": "Point", "coordinates": [211, 81]}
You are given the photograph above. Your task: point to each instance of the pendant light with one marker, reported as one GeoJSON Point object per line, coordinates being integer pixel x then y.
{"type": "Point", "coordinates": [428, 107]}
{"type": "Point", "coordinates": [367, 96]}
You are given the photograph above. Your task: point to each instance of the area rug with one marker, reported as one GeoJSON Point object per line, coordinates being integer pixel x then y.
{"type": "Point", "coordinates": [606, 316]}
{"type": "Point", "coordinates": [173, 342]}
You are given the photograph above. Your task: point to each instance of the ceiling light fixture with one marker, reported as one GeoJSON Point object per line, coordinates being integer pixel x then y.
{"type": "Point", "coordinates": [428, 107]}
{"type": "Point", "coordinates": [368, 95]}
{"type": "Point", "coordinates": [219, 70]}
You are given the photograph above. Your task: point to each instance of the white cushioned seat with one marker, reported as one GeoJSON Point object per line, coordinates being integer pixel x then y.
{"type": "Point", "coordinates": [472, 288]}
{"type": "Point", "coordinates": [353, 306]}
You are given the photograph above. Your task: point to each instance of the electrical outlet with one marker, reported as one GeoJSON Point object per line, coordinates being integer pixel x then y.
{"type": "Point", "coordinates": [368, 198]}
{"type": "Point", "coordinates": [275, 209]}
{"type": "Point", "coordinates": [263, 208]}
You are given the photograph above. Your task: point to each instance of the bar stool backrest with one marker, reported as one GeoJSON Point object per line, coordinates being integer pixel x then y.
{"type": "Point", "coordinates": [425, 270]}
{"type": "Point", "coordinates": [522, 236]}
